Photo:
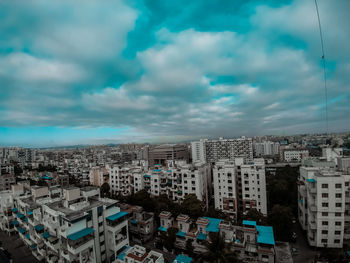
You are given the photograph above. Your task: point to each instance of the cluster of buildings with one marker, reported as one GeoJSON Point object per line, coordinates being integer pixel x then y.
{"type": "Point", "coordinates": [251, 242]}
{"type": "Point", "coordinates": [72, 225]}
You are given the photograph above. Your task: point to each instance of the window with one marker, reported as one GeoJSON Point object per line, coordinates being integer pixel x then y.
{"type": "Point", "coordinates": [337, 214]}
{"type": "Point", "coordinates": [324, 232]}
{"type": "Point", "coordinates": [336, 241]}
{"type": "Point", "coordinates": [324, 185]}
{"type": "Point", "coordinates": [324, 204]}
{"type": "Point", "coordinates": [338, 223]}
{"type": "Point", "coordinates": [337, 232]}
{"type": "Point", "coordinates": [324, 213]}
{"type": "Point", "coordinates": [325, 223]}
{"type": "Point", "coordinates": [324, 195]}
{"type": "Point", "coordinates": [337, 195]}
{"type": "Point", "coordinates": [323, 240]}
{"type": "Point", "coordinates": [337, 185]}
{"type": "Point", "coordinates": [337, 204]}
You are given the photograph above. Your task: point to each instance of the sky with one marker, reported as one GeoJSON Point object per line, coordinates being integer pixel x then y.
{"type": "Point", "coordinates": [95, 72]}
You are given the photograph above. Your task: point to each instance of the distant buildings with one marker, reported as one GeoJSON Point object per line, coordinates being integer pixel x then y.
{"type": "Point", "coordinates": [98, 176]}
{"type": "Point", "coordinates": [7, 177]}
{"type": "Point", "coordinates": [294, 155]}
{"type": "Point", "coordinates": [215, 150]}
{"type": "Point", "coordinates": [163, 153]}
{"type": "Point", "coordinates": [266, 148]}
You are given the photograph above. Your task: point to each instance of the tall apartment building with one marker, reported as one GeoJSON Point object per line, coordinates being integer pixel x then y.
{"type": "Point", "coordinates": [198, 151]}
{"type": "Point", "coordinates": [266, 148]}
{"type": "Point", "coordinates": [178, 180]}
{"type": "Point", "coordinates": [323, 203]}
{"type": "Point", "coordinates": [162, 153]}
{"type": "Point", "coordinates": [98, 176]}
{"type": "Point", "coordinates": [216, 150]}
{"type": "Point", "coordinates": [240, 186]}
{"type": "Point", "coordinates": [67, 224]}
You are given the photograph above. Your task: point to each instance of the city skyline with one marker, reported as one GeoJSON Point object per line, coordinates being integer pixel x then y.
{"type": "Point", "coordinates": [134, 71]}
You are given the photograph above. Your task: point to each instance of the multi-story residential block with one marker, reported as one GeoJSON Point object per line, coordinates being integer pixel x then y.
{"type": "Point", "coordinates": [250, 241]}
{"type": "Point", "coordinates": [98, 176]}
{"type": "Point", "coordinates": [67, 224]}
{"type": "Point", "coordinates": [266, 148]}
{"type": "Point", "coordinates": [198, 151]}
{"type": "Point", "coordinates": [179, 179]}
{"type": "Point", "coordinates": [215, 150]}
{"type": "Point", "coordinates": [125, 180]}
{"type": "Point", "coordinates": [7, 177]}
{"type": "Point", "coordinates": [323, 203]}
{"type": "Point", "coordinates": [240, 186]}
{"type": "Point", "coordinates": [294, 155]}
{"type": "Point", "coordinates": [141, 223]}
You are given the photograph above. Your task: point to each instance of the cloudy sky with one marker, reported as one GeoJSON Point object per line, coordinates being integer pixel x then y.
{"type": "Point", "coordinates": [90, 72]}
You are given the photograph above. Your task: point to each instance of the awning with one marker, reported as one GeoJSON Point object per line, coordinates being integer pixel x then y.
{"type": "Point", "coordinates": [19, 215]}
{"type": "Point", "coordinates": [181, 234]}
{"type": "Point", "coordinates": [162, 228]}
{"type": "Point", "coordinates": [29, 213]}
{"type": "Point", "coordinates": [28, 236]}
{"type": "Point", "coordinates": [82, 233]}
{"type": "Point", "coordinates": [116, 216]}
{"type": "Point", "coordinates": [202, 236]}
{"type": "Point", "coordinates": [265, 235]}
{"type": "Point", "coordinates": [33, 246]}
{"type": "Point", "coordinates": [182, 259]}
{"type": "Point", "coordinates": [213, 225]}
{"type": "Point", "coordinates": [26, 219]}
{"type": "Point", "coordinates": [14, 210]}
{"type": "Point", "coordinates": [39, 227]}
{"type": "Point", "coordinates": [46, 235]}
{"type": "Point", "coordinates": [134, 221]}
{"type": "Point", "coordinates": [311, 180]}
{"type": "Point", "coordinates": [15, 222]}
{"type": "Point", "coordinates": [21, 230]}
{"type": "Point", "coordinates": [249, 223]}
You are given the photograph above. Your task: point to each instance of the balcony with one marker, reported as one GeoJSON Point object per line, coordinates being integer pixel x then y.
{"type": "Point", "coordinates": [312, 225]}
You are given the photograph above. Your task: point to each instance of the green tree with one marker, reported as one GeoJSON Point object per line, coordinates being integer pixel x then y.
{"type": "Point", "coordinates": [104, 189]}
{"type": "Point", "coordinates": [190, 248]}
{"type": "Point", "coordinates": [192, 206]}
{"type": "Point", "coordinates": [255, 215]}
{"type": "Point", "coordinates": [218, 251]}
{"type": "Point", "coordinates": [170, 238]}
{"type": "Point", "coordinates": [281, 218]}
{"type": "Point", "coordinates": [142, 198]}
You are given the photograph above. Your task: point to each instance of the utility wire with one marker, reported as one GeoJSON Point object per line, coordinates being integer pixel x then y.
{"type": "Point", "coordinates": [324, 64]}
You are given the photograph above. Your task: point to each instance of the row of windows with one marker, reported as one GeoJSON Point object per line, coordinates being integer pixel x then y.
{"type": "Point", "coordinates": [325, 186]}
{"type": "Point", "coordinates": [337, 195]}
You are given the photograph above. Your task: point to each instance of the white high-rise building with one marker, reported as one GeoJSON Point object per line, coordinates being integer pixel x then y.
{"type": "Point", "coordinates": [240, 186]}
{"type": "Point", "coordinates": [323, 203]}
{"type": "Point", "coordinates": [198, 151]}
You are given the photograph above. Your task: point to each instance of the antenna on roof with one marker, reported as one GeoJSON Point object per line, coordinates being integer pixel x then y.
{"type": "Point", "coordinates": [324, 64]}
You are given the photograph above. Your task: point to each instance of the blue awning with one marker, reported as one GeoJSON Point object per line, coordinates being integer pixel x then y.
{"type": "Point", "coordinates": [15, 222]}
{"type": "Point", "coordinates": [14, 210]}
{"type": "Point", "coordinates": [181, 234]}
{"type": "Point", "coordinates": [249, 223]}
{"type": "Point", "coordinates": [82, 233]}
{"type": "Point", "coordinates": [202, 236]}
{"type": "Point", "coordinates": [30, 213]}
{"type": "Point", "coordinates": [39, 227]}
{"type": "Point", "coordinates": [348, 253]}
{"type": "Point", "coordinates": [33, 246]}
{"type": "Point", "coordinates": [311, 180]}
{"type": "Point", "coordinates": [182, 259]}
{"type": "Point", "coordinates": [19, 215]}
{"type": "Point", "coordinates": [134, 221]}
{"type": "Point", "coordinates": [26, 219]}
{"type": "Point", "coordinates": [46, 235]}
{"type": "Point", "coordinates": [147, 176]}
{"type": "Point", "coordinates": [45, 177]}
{"type": "Point", "coordinates": [265, 235]}
{"type": "Point", "coordinates": [157, 170]}
{"type": "Point", "coordinates": [116, 216]}
{"type": "Point", "coordinates": [21, 230]}
{"type": "Point", "coordinates": [162, 228]}
{"type": "Point", "coordinates": [213, 225]}
{"type": "Point", "coordinates": [28, 236]}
